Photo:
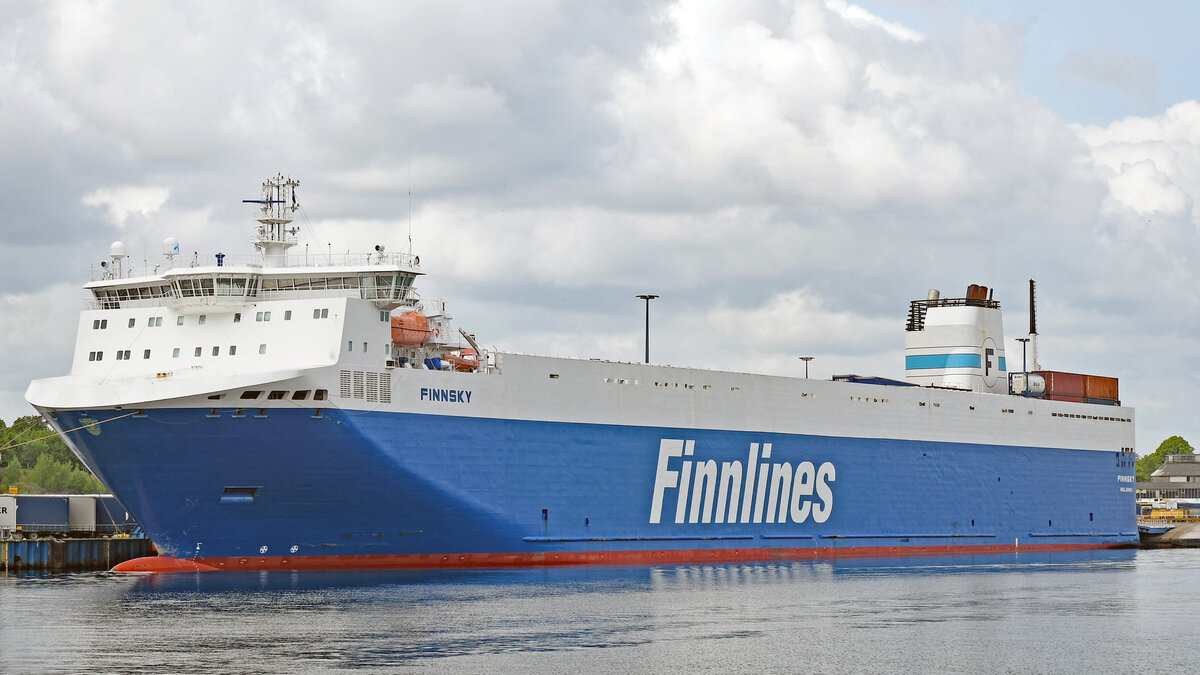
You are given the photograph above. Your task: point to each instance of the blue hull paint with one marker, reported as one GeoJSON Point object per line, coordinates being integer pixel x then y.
{"type": "Point", "coordinates": [352, 483]}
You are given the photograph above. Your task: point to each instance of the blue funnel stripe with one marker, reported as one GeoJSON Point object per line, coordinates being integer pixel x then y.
{"type": "Point", "coordinates": [1003, 365]}
{"type": "Point", "coordinates": [926, 361]}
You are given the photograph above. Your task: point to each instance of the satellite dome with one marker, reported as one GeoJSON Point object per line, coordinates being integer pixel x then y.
{"type": "Point", "coordinates": [117, 250]}
{"type": "Point", "coordinates": [170, 246]}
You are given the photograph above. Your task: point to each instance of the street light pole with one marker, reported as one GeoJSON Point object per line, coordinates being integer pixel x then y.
{"type": "Point", "coordinates": [1024, 368]}
{"type": "Point", "coordinates": [647, 298]}
{"type": "Point", "coordinates": [806, 359]}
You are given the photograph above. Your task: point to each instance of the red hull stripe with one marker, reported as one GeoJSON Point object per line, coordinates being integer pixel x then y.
{"type": "Point", "coordinates": [671, 557]}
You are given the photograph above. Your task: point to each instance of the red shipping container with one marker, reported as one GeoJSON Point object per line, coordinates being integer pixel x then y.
{"type": "Point", "coordinates": [1098, 386]}
{"type": "Point", "coordinates": [1063, 384]}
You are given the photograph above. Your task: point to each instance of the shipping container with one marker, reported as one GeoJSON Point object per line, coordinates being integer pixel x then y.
{"type": "Point", "coordinates": [111, 515]}
{"type": "Point", "coordinates": [42, 513]}
{"type": "Point", "coordinates": [1062, 384]}
{"type": "Point", "coordinates": [82, 513]}
{"type": "Point", "coordinates": [1063, 397]}
{"type": "Point", "coordinates": [1098, 386]}
{"type": "Point", "coordinates": [8, 512]}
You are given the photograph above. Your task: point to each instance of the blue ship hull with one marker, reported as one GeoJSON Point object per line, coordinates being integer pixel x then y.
{"type": "Point", "coordinates": [293, 489]}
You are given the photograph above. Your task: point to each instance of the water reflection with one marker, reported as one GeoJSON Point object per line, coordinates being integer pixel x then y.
{"type": "Point", "coordinates": [950, 613]}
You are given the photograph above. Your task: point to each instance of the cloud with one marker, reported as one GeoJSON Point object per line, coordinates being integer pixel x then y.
{"type": "Point", "coordinates": [860, 17]}
{"type": "Point", "coordinates": [829, 112]}
{"type": "Point", "coordinates": [1152, 168]}
{"type": "Point", "coordinates": [786, 175]}
{"type": "Point", "coordinates": [37, 343]}
{"type": "Point", "coordinates": [1134, 76]}
{"type": "Point", "coordinates": [122, 201]}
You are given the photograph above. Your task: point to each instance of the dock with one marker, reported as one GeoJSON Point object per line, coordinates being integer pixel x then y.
{"type": "Point", "coordinates": [67, 533]}
{"type": "Point", "coordinates": [70, 554]}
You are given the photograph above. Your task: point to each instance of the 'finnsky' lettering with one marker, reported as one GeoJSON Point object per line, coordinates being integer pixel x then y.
{"type": "Point", "coordinates": [774, 491]}
{"type": "Point", "coordinates": [446, 395]}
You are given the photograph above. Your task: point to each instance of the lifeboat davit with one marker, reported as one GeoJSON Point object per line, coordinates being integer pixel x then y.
{"type": "Point", "coordinates": [410, 329]}
{"type": "Point", "coordinates": [465, 361]}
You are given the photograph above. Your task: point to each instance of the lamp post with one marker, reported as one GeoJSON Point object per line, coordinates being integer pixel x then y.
{"type": "Point", "coordinates": [1024, 369]}
{"type": "Point", "coordinates": [806, 359]}
{"type": "Point", "coordinates": [647, 297]}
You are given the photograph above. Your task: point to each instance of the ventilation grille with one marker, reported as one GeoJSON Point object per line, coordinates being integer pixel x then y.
{"type": "Point", "coordinates": [372, 386]}
{"type": "Point", "coordinates": [367, 386]}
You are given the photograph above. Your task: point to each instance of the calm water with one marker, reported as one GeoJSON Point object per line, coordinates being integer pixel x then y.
{"type": "Point", "coordinates": [1131, 611]}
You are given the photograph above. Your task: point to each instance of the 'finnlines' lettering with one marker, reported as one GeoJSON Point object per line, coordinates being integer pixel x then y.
{"type": "Point", "coordinates": [776, 492]}
{"type": "Point", "coordinates": [447, 395]}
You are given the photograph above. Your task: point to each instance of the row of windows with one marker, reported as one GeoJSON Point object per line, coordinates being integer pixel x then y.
{"type": "Point", "coordinates": [1103, 418]}
{"type": "Point", "coordinates": [216, 351]}
{"type": "Point", "coordinates": [126, 355]}
{"type": "Point", "coordinates": [278, 395]}
{"type": "Point", "coordinates": [223, 286]}
{"type": "Point", "coordinates": [157, 321]}
{"type": "Point", "coordinates": [387, 348]}
{"type": "Point", "coordinates": [372, 287]}
{"type": "Point", "coordinates": [110, 298]}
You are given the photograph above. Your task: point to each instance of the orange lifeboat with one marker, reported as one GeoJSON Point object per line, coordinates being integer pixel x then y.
{"type": "Point", "coordinates": [465, 361]}
{"type": "Point", "coordinates": [410, 329]}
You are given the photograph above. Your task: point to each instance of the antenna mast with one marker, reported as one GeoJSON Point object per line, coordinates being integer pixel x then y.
{"type": "Point", "coordinates": [410, 249]}
{"type": "Point", "coordinates": [1033, 326]}
{"type": "Point", "coordinates": [276, 207]}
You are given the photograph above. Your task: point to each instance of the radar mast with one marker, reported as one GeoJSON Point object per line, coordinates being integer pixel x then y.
{"type": "Point", "coordinates": [276, 207]}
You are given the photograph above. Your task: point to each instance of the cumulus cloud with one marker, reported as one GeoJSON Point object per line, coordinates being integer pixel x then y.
{"type": "Point", "coordinates": [824, 109]}
{"type": "Point", "coordinates": [1151, 164]}
{"type": "Point", "coordinates": [786, 175]}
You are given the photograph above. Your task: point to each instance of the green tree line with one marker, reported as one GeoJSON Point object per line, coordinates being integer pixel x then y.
{"type": "Point", "coordinates": [36, 461]}
{"type": "Point", "coordinates": [1174, 445]}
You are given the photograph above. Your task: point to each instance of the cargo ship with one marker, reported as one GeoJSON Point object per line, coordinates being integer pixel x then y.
{"type": "Point", "coordinates": [313, 411]}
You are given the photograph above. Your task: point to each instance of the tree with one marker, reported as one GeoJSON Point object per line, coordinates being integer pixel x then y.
{"type": "Point", "coordinates": [11, 474]}
{"type": "Point", "coordinates": [1174, 445]}
{"type": "Point", "coordinates": [29, 442]}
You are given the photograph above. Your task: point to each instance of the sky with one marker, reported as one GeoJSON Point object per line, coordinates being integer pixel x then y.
{"type": "Point", "coordinates": [787, 175]}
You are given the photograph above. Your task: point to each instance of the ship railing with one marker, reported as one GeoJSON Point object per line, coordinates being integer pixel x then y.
{"type": "Point", "coordinates": [918, 308]}
{"type": "Point", "coordinates": [130, 270]}
{"type": "Point", "coordinates": [1174, 520]}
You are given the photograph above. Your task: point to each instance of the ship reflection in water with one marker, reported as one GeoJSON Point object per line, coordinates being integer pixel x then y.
{"type": "Point", "coordinates": [1099, 610]}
